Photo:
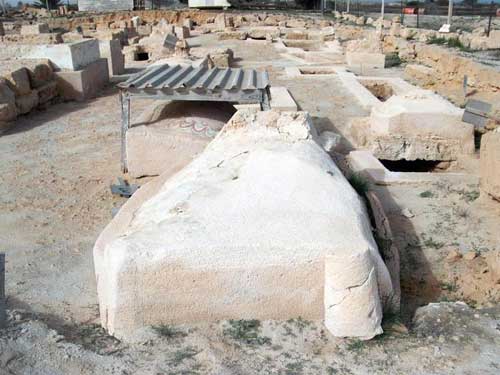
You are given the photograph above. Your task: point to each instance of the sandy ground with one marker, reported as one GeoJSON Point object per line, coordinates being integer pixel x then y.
{"type": "Point", "coordinates": [56, 168]}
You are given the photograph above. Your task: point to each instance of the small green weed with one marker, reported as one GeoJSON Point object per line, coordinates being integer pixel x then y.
{"type": "Point", "coordinates": [169, 332]}
{"type": "Point", "coordinates": [469, 196]}
{"type": "Point", "coordinates": [449, 42]}
{"type": "Point", "coordinates": [359, 183]}
{"type": "Point", "coordinates": [246, 331]}
{"type": "Point", "coordinates": [300, 322]}
{"type": "Point", "coordinates": [294, 368]}
{"type": "Point", "coordinates": [356, 345]}
{"type": "Point", "coordinates": [450, 287]}
{"type": "Point", "coordinates": [183, 354]}
{"type": "Point", "coordinates": [429, 242]}
{"type": "Point", "coordinates": [426, 194]}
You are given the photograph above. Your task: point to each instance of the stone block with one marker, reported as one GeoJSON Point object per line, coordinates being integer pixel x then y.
{"type": "Point", "coordinates": [188, 22]}
{"type": "Point", "coordinates": [227, 35]}
{"type": "Point", "coordinates": [144, 30]}
{"type": "Point", "coordinates": [365, 60]}
{"type": "Point", "coordinates": [297, 35]}
{"type": "Point", "coordinates": [490, 164]}
{"type": "Point", "coordinates": [112, 51]}
{"type": "Point", "coordinates": [419, 74]}
{"type": "Point", "coordinates": [170, 134]}
{"type": "Point", "coordinates": [296, 248]}
{"type": "Point", "coordinates": [417, 125]}
{"type": "Point", "coordinates": [25, 103]}
{"type": "Point", "coordinates": [47, 92]}
{"type": "Point", "coordinates": [19, 81]}
{"type": "Point", "coordinates": [282, 100]}
{"type": "Point", "coordinates": [150, 149]}
{"type": "Point", "coordinates": [40, 74]}
{"type": "Point", "coordinates": [8, 109]}
{"type": "Point", "coordinates": [83, 84]}
{"type": "Point", "coordinates": [8, 112]}
{"type": "Point", "coordinates": [262, 32]}
{"type": "Point", "coordinates": [222, 58]}
{"type": "Point", "coordinates": [39, 28]}
{"type": "Point", "coordinates": [181, 32]}
{"type": "Point", "coordinates": [71, 56]}
{"type": "Point", "coordinates": [7, 94]}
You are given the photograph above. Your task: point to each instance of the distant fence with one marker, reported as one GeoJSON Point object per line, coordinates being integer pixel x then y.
{"type": "Point", "coordinates": [431, 16]}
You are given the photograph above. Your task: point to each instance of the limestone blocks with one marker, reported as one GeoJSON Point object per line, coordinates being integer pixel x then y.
{"type": "Point", "coordinates": [416, 125]}
{"type": "Point", "coordinates": [490, 163]}
{"type": "Point", "coordinates": [39, 28]}
{"type": "Point", "coordinates": [24, 86]}
{"type": "Point", "coordinates": [365, 53]}
{"type": "Point", "coordinates": [261, 225]}
{"type": "Point", "coordinates": [112, 51]}
{"type": "Point", "coordinates": [71, 56]}
{"type": "Point", "coordinates": [281, 99]}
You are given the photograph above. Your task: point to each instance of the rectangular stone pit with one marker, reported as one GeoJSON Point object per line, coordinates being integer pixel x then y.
{"type": "Point", "coordinates": [309, 71]}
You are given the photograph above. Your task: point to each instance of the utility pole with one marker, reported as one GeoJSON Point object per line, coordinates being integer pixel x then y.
{"type": "Point", "coordinates": [489, 18]}
{"type": "Point", "coordinates": [3, 7]}
{"type": "Point", "coordinates": [450, 11]}
{"type": "Point", "coordinates": [3, 304]}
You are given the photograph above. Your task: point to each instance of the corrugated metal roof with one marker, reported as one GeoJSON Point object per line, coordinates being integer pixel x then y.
{"type": "Point", "coordinates": [188, 77]}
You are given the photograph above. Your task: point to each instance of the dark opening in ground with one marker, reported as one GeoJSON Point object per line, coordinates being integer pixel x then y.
{"type": "Point", "coordinates": [477, 139]}
{"type": "Point", "coordinates": [382, 91]}
{"type": "Point", "coordinates": [317, 70]}
{"type": "Point", "coordinates": [142, 56]}
{"type": "Point", "coordinates": [415, 165]}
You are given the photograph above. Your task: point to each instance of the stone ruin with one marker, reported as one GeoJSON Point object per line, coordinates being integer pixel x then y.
{"type": "Point", "coordinates": [416, 125]}
{"type": "Point", "coordinates": [256, 225]}
{"type": "Point", "coordinates": [250, 213]}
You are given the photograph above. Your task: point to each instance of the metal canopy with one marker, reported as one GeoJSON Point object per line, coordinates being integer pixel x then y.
{"type": "Point", "coordinates": [185, 82]}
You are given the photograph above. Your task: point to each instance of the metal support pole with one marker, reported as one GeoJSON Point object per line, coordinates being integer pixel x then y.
{"type": "Point", "coordinates": [348, 5]}
{"type": "Point", "coordinates": [3, 304]}
{"type": "Point", "coordinates": [265, 104]}
{"type": "Point", "coordinates": [450, 11]}
{"type": "Point", "coordinates": [489, 19]}
{"type": "Point", "coordinates": [402, 14]}
{"type": "Point", "coordinates": [382, 12]}
{"type": "Point", "coordinates": [418, 14]}
{"type": "Point", "coordinates": [125, 103]}
{"type": "Point", "coordinates": [4, 9]}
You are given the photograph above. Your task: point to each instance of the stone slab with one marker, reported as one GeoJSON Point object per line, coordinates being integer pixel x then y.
{"type": "Point", "coordinates": [71, 56]}
{"type": "Point", "coordinates": [490, 164]}
{"type": "Point", "coordinates": [281, 99]}
{"type": "Point", "coordinates": [365, 60]}
{"type": "Point", "coordinates": [112, 51]}
{"type": "Point", "coordinates": [251, 229]}
{"type": "Point", "coordinates": [39, 28]}
{"type": "Point", "coordinates": [83, 84]}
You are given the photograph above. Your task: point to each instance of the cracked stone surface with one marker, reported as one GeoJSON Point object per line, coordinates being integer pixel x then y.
{"type": "Point", "coordinates": [256, 225]}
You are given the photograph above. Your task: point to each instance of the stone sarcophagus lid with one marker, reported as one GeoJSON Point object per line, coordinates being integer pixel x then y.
{"type": "Point", "coordinates": [262, 225]}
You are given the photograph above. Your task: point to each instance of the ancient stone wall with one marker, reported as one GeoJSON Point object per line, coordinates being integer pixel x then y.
{"type": "Point", "coordinates": [447, 72]}
{"type": "Point", "coordinates": [24, 86]}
